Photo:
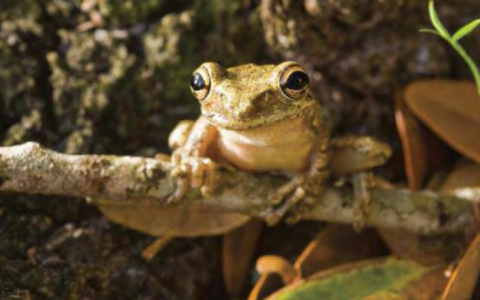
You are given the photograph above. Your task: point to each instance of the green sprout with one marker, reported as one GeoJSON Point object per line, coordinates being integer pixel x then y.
{"type": "Point", "coordinates": [442, 32]}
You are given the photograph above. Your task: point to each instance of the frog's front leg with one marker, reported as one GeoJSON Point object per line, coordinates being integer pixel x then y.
{"type": "Point", "coordinates": [305, 187]}
{"type": "Point", "coordinates": [192, 167]}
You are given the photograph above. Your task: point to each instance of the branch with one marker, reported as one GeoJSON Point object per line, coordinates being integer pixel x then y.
{"type": "Point", "coordinates": [29, 168]}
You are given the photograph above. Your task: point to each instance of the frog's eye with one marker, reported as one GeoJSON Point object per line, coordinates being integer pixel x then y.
{"type": "Point", "coordinates": [294, 82]}
{"type": "Point", "coordinates": [200, 83]}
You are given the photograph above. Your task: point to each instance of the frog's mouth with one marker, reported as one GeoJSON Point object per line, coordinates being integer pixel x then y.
{"type": "Point", "coordinates": [229, 122]}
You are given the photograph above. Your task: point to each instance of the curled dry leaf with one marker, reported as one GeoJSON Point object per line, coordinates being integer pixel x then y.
{"type": "Point", "coordinates": [461, 285]}
{"type": "Point", "coordinates": [451, 109]}
{"type": "Point", "coordinates": [423, 152]}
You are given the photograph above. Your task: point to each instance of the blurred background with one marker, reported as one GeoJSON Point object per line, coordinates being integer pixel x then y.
{"type": "Point", "coordinates": [112, 76]}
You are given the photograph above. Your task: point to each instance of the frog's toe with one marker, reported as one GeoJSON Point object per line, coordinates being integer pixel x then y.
{"type": "Point", "coordinates": [180, 190]}
{"type": "Point", "coordinates": [290, 195]}
{"type": "Point", "coordinates": [211, 180]}
{"type": "Point", "coordinates": [197, 173]}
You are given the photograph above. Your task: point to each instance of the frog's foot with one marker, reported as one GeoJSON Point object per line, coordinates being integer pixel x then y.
{"type": "Point", "coordinates": [194, 172]}
{"type": "Point", "coordinates": [362, 199]}
{"type": "Point", "coordinates": [287, 197]}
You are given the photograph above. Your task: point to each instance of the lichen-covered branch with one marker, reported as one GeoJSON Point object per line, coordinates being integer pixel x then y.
{"type": "Point", "coordinates": [29, 168]}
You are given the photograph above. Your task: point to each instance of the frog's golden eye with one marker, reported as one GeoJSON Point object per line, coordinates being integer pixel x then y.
{"type": "Point", "coordinates": [294, 82]}
{"type": "Point", "coordinates": [200, 83]}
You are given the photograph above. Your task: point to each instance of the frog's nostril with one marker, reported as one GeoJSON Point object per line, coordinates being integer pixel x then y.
{"type": "Point", "coordinates": [224, 98]}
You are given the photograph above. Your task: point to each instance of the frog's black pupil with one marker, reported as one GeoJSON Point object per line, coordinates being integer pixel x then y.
{"type": "Point", "coordinates": [298, 80]}
{"type": "Point", "coordinates": [196, 82]}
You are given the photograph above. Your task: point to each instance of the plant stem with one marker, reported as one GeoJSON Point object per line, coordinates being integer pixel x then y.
{"type": "Point", "coordinates": [469, 61]}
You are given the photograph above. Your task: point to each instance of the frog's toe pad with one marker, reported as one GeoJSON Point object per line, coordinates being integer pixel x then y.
{"type": "Point", "coordinates": [197, 173]}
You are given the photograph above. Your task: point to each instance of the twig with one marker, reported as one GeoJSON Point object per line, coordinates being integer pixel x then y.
{"type": "Point", "coordinates": [29, 168]}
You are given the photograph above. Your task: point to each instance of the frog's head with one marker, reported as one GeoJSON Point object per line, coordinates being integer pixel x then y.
{"type": "Point", "coordinates": [251, 96]}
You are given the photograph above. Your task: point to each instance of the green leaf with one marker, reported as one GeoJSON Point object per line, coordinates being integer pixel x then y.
{"type": "Point", "coordinates": [428, 30]}
{"type": "Point", "coordinates": [466, 29]}
{"type": "Point", "coordinates": [381, 279]}
{"type": "Point", "coordinates": [437, 24]}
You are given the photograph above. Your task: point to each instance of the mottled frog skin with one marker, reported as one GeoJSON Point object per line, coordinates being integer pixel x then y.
{"type": "Point", "coordinates": [259, 119]}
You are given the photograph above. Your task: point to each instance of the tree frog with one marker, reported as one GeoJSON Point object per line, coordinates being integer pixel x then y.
{"type": "Point", "coordinates": [261, 119]}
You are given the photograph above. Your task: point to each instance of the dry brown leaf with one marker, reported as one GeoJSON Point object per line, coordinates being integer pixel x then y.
{"type": "Point", "coordinates": [159, 221]}
{"type": "Point", "coordinates": [238, 248]}
{"type": "Point", "coordinates": [334, 246]}
{"type": "Point", "coordinates": [427, 250]}
{"type": "Point", "coordinates": [451, 109]}
{"type": "Point", "coordinates": [461, 285]}
{"type": "Point", "coordinates": [423, 152]}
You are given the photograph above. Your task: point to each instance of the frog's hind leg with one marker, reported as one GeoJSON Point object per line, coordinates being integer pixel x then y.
{"type": "Point", "coordinates": [302, 188]}
{"type": "Point", "coordinates": [292, 192]}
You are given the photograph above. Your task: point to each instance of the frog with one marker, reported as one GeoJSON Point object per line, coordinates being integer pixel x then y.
{"type": "Point", "coordinates": [263, 119]}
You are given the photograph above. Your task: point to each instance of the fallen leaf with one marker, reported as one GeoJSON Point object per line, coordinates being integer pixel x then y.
{"type": "Point", "coordinates": [451, 109]}
{"type": "Point", "coordinates": [159, 221]}
{"type": "Point", "coordinates": [333, 247]}
{"type": "Point", "coordinates": [238, 248]}
{"type": "Point", "coordinates": [427, 250]}
{"type": "Point", "coordinates": [373, 280]}
{"type": "Point", "coordinates": [423, 152]}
